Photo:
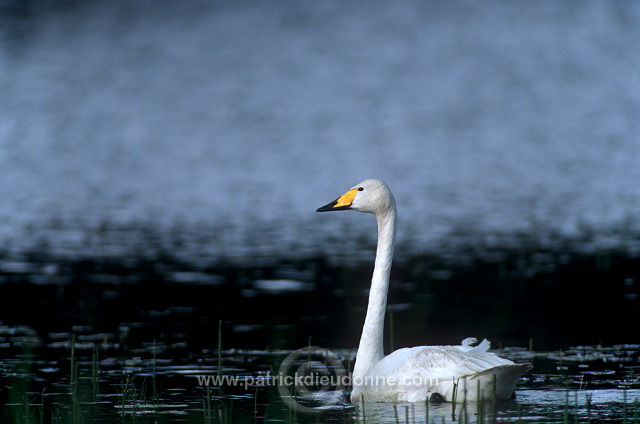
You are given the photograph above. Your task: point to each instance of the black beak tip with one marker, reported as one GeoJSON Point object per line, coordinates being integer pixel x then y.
{"type": "Point", "coordinates": [332, 207]}
{"type": "Point", "coordinates": [326, 208]}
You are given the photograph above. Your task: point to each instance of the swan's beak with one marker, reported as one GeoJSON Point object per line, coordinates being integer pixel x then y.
{"type": "Point", "coordinates": [341, 203]}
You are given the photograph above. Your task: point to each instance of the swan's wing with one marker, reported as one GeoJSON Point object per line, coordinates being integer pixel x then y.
{"type": "Point", "coordinates": [499, 381]}
{"type": "Point", "coordinates": [442, 362]}
{"type": "Point", "coordinates": [467, 345]}
{"type": "Point", "coordinates": [411, 374]}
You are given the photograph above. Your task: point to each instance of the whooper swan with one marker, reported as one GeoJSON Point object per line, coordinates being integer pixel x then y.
{"type": "Point", "coordinates": [422, 372]}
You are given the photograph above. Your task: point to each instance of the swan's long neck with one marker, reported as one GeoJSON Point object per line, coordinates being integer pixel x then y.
{"type": "Point", "coordinates": [371, 349]}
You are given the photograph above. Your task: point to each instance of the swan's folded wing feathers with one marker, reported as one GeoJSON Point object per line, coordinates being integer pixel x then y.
{"type": "Point", "coordinates": [469, 341]}
{"type": "Point", "coordinates": [481, 348]}
{"type": "Point", "coordinates": [467, 345]}
{"type": "Point", "coordinates": [443, 362]}
{"type": "Point", "coordinates": [416, 372]}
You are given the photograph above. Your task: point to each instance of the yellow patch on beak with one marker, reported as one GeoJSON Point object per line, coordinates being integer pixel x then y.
{"type": "Point", "coordinates": [346, 199]}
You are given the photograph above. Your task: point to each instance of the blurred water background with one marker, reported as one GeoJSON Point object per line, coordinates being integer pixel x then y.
{"type": "Point", "coordinates": [233, 121]}
{"type": "Point", "coordinates": [161, 163]}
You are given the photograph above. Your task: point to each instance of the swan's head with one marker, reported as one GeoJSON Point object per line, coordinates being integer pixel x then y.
{"type": "Point", "coordinates": [372, 196]}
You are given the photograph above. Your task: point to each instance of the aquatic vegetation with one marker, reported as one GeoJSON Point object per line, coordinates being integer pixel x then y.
{"type": "Point", "coordinates": [58, 383]}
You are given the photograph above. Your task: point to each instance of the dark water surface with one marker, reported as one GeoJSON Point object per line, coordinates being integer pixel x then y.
{"type": "Point", "coordinates": [125, 339]}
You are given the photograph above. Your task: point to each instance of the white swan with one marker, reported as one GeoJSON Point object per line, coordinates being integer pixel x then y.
{"type": "Point", "coordinates": [423, 372]}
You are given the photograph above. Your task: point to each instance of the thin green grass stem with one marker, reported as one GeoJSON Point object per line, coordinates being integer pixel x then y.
{"type": "Point", "coordinates": [154, 375]}
{"type": "Point", "coordinates": [95, 371]}
{"type": "Point", "coordinates": [624, 405]}
{"type": "Point", "coordinates": [426, 410]}
{"type": "Point", "coordinates": [391, 344]}
{"type": "Point", "coordinates": [454, 396]}
{"type": "Point", "coordinates": [588, 408]}
{"type": "Point", "coordinates": [220, 347]}
{"type": "Point", "coordinates": [480, 405]}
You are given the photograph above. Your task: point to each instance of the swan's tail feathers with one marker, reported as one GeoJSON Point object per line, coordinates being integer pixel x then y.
{"type": "Point", "coordinates": [502, 380]}
{"type": "Point", "coordinates": [470, 341]}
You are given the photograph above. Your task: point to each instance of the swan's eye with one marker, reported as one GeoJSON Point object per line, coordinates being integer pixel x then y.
{"type": "Point", "coordinates": [360, 188]}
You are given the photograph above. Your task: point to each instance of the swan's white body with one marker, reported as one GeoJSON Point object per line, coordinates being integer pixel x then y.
{"type": "Point", "coordinates": [414, 374]}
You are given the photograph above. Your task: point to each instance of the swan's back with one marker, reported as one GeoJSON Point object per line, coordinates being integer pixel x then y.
{"type": "Point", "coordinates": [415, 374]}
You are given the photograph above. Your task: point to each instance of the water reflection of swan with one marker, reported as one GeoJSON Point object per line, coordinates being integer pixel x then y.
{"type": "Point", "coordinates": [423, 372]}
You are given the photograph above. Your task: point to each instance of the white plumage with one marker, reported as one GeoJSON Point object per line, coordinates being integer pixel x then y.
{"type": "Point", "coordinates": [417, 373]}
{"type": "Point", "coordinates": [414, 374]}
